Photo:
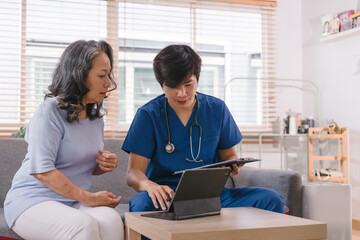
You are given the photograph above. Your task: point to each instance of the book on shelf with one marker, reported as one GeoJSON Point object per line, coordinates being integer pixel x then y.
{"type": "Point", "coordinates": [355, 19]}
{"type": "Point", "coordinates": [345, 22]}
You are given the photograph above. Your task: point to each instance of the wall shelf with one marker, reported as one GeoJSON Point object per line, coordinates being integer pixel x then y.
{"type": "Point", "coordinates": [344, 34]}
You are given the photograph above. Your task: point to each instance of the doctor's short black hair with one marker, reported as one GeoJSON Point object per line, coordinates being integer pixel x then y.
{"type": "Point", "coordinates": [176, 63]}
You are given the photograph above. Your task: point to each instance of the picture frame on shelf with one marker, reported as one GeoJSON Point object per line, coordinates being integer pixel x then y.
{"type": "Point", "coordinates": [326, 21]}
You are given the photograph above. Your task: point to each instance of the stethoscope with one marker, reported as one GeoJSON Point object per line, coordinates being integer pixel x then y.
{"type": "Point", "coordinates": [170, 148]}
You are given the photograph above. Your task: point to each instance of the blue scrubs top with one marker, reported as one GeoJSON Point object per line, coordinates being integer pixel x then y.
{"type": "Point", "coordinates": [148, 136]}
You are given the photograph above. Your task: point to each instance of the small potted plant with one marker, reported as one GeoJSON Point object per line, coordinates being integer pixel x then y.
{"type": "Point", "coordinates": [20, 133]}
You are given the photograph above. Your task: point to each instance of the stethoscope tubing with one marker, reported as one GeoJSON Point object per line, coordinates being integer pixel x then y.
{"type": "Point", "coordinates": [170, 147]}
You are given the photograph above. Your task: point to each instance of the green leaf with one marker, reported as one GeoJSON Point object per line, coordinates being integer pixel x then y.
{"type": "Point", "coordinates": [20, 133]}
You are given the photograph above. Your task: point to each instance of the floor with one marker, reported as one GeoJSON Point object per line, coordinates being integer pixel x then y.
{"type": "Point", "coordinates": [355, 229]}
{"type": "Point", "coordinates": [355, 234]}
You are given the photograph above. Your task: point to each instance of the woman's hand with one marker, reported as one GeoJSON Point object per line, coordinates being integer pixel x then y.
{"type": "Point", "coordinates": [102, 198]}
{"type": "Point", "coordinates": [107, 161]}
{"type": "Point", "coordinates": [160, 194]}
{"type": "Point", "coordinates": [59, 183]}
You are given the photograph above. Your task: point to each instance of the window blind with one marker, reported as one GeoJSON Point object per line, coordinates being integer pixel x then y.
{"type": "Point", "coordinates": [234, 40]}
{"type": "Point", "coordinates": [34, 35]}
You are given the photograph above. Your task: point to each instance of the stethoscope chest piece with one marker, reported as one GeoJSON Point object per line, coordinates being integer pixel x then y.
{"type": "Point", "coordinates": [169, 148]}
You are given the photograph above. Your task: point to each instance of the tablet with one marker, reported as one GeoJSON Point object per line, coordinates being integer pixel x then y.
{"type": "Point", "coordinates": [193, 196]}
{"type": "Point", "coordinates": [228, 163]}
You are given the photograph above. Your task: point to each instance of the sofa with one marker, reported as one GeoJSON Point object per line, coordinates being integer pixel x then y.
{"type": "Point", "coordinates": [13, 150]}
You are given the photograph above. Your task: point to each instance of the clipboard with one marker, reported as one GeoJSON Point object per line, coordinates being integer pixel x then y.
{"type": "Point", "coordinates": [228, 163]}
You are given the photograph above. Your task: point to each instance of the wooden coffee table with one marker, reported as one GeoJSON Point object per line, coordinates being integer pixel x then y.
{"type": "Point", "coordinates": [233, 223]}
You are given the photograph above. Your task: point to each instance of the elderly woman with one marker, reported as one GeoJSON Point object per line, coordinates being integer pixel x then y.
{"type": "Point", "coordinates": [49, 198]}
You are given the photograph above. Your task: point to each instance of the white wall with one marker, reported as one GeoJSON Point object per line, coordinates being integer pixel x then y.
{"type": "Point", "coordinates": [288, 39]}
{"type": "Point", "coordinates": [288, 53]}
{"type": "Point", "coordinates": [335, 67]}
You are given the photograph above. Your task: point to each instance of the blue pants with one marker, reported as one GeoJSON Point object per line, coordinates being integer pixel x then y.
{"type": "Point", "coordinates": [230, 197]}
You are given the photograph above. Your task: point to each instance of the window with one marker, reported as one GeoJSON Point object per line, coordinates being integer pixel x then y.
{"type": "Point", "coordinates": [233, 40]}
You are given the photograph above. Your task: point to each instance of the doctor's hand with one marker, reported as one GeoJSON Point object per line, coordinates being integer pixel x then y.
{"type": "Point", "coordinates": [235, 169]}
{"type": "Point", "coordinates": [229, 154]}
{"type": "Point", "coordinates": [107, 161]}
{"type": "Point", "coordinates": [161, 194]}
